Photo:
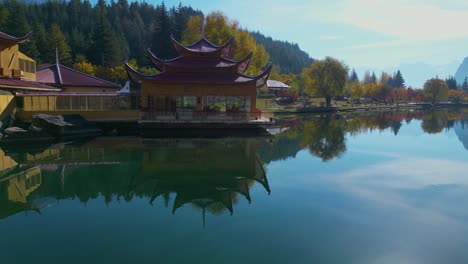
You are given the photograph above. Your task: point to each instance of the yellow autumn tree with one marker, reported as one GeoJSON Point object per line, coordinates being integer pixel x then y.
{"type": "Point", "coordinates": [219, 29]}
{"type": "Point", "coordinates": [84, 65]}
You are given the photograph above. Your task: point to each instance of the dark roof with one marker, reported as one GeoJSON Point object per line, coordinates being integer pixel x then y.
{"type": "Point", "coordinates": [14, 40]}
{"type": "Point", "coordinates": [200, 62]}
{"type": "Point", "coordinates": [60, 75]}
{"type": "Point", "coordinates": [204, 46]}
{"type": "Point", "coordinates": [198, 77]}
{"type": "Point", "coordinates": [26, 85]}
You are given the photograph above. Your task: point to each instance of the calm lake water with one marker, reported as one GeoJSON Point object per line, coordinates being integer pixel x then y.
{"type": "Point", "coordinates": [355, 188]}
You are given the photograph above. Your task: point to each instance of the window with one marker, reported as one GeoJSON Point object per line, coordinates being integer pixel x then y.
{"type": "Point", "coordinates": [190, 102]}
{"type": "Point", "coordinates": [27, 65]}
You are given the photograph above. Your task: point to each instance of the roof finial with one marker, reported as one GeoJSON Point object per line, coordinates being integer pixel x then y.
{"type": "Point", "coordinates": [57, 64]}
{"type": "Point", "coordinates": [56, 56]}
{"type": "Point", "coordinates": [203, 27]}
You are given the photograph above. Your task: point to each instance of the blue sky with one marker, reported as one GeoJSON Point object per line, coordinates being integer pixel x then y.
{"type": "Point", "coordinates": [422, 37]}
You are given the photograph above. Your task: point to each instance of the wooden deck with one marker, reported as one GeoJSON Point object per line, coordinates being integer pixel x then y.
{"type": "Point", "coordinates": [201, 119]}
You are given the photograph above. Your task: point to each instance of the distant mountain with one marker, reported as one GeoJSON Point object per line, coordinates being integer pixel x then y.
{"type": "Point", "coordinates": [462, 132]}
{"type": "Point", "coordinates": [462, 71]}
{"type": "Point", "coordinates": [417, 73]}
{"type": "Point", "coordinates": [287, 55]}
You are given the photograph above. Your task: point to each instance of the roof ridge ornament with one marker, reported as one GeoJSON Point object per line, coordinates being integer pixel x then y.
{"type": "Point", "coordinates": [57, 64]}
{"type": "Point", "coordinates": [203, 26]}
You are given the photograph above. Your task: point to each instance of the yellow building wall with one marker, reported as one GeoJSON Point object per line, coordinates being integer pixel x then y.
{"type": "Point", "coordinates": [23, 184]}
{"type": "Point", "coordinates": [30, 76]}
{"type": "Point", "coordinates": [5, 101]}
{"type": "Point", "coordinates": [6, 53]}
{"type": "Point", "coordinates": [7, 105]}
{"type": "Point", "coordinates": [6, 162]}
{"type": "Point", "coordinates": [9, 59]}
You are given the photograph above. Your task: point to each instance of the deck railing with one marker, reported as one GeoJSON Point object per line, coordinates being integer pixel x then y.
{"type": "Point", "coordinates": [199, 116]}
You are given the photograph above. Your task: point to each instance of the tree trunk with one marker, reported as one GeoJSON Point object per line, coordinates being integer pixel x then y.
{"type": "Point", "coordinates": [328, 101]}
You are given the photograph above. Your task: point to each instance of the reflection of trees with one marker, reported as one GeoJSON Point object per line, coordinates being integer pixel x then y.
{"type": "Point", "coordinates": [434, 122]}
{"type": "Point", "coordinates": [325, 138]}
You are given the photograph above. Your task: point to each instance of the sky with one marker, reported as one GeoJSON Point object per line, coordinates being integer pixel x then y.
{"type": "Point", "coordinates": [423, 38]}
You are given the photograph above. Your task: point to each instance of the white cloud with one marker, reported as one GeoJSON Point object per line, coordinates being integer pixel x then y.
{"type": "Point", "coordinates": [411, 173]}
{"type": "Point", "coordinates": [406, 20]}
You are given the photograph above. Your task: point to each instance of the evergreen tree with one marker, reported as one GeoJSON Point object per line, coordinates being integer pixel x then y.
{"type": "Point", "coordinates": [398, 81]}
{"type": "Point", "coordinates": [104, 49]}
{"type": "Point", "coordinates": [3, 17]}
{"type": "Point", "coordinates": [390, 82]}
{"type": "Point", "coordinates": [16, 23]}
{"type": "Point", "coordinates": [353, 77]}
{"type": "Point", "coordinates": [56, 40]}
{"type": "Point", "coordinates": [162, 45]}
{"type": "Point", "coordinates": [40, 37]}
{"type": "Point", "coordinates": [451, 83]}
{"type": "Point", "coordinates": [373, 78]}
{"type": "Point", "coordinates": [180, 22]}
{"type": "Point", "coordinates": [465, 85]}
{"type": "Point", "coordinates": [367, 78]}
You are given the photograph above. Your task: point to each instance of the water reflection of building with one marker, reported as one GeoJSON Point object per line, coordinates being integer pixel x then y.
{"type": "Point", "coordinates": [208, 174]}
{"type": "Point", "coordinates": [17, 183]}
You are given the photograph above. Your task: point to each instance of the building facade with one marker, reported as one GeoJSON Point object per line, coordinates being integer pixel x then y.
{"type": "Point", "coordinates": [202, 80]}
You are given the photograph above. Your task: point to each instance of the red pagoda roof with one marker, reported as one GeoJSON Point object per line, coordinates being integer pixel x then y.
{"type": "Point", "coordinates": [199, 77]}
{"type": "Point", "coordinates": [14, 40]}
{"type": "Point", "coordinates": [26, 85]}
{"type": "Point", "coordinates": [203, 47]}
{"type": "Point", "coordinates": [200, 62]}
{"type": "Point", "coordinates": [59, 75]}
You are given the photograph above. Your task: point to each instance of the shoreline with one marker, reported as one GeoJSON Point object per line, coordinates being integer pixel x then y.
{"type": "Point", "coordinates": [324, 110]}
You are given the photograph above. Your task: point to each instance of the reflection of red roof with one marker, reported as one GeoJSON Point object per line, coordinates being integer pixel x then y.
{"type": "Point", "coordinates": [27, 85]}
{"type": "Point", "coordinates": [63, 76]}
{"type": "Point", "coordinates": [15, 40]}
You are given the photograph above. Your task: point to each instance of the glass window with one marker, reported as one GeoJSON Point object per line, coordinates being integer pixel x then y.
{"type": "Point", "coordinates": [61, 103]}
{"type": "Point", "coordinates": [94, 103]}
{"type": "Point", "coordinates": [190, 102]}
{"type": "Point", "coordinates": [220, 104]}
{"type": "Point", "coordinates": [247, 104]}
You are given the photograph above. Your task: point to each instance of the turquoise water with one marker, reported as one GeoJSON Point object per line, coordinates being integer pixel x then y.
{"type": "Point", "coordinates": [355, 188]}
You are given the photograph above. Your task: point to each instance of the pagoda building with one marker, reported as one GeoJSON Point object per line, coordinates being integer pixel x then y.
{"type": "Point", "coordinates": [201, 81]}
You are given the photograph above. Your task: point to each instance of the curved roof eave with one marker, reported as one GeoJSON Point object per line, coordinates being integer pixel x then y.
{"type": "Point", "coordinates": [262, 77]}
{"type": "Point", "coordinates": [136, 76]}
{"type": "Point", "coordinates": [15, 40]}
{"type": "Point", "coordinates": [245, 63]}
{"type": "Point", "coordinates": [157, 62]}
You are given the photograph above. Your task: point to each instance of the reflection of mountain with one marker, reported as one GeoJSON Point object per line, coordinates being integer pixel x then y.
{"type": "Point", "coordinates": [462, 71]}
{"type": "Point", "coordinates": [206, 174]}
{"type": "Point", "coordinates": [461, 129]}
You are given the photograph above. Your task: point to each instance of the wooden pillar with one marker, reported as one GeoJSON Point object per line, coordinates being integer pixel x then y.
{"type": "Point", "coordinates": [199, 104]}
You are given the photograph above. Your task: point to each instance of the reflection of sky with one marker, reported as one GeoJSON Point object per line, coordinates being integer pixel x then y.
{"type": "Point", "coordinates": [388, 199]}
{"type": "Point", "coordinates": [402, 198]}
